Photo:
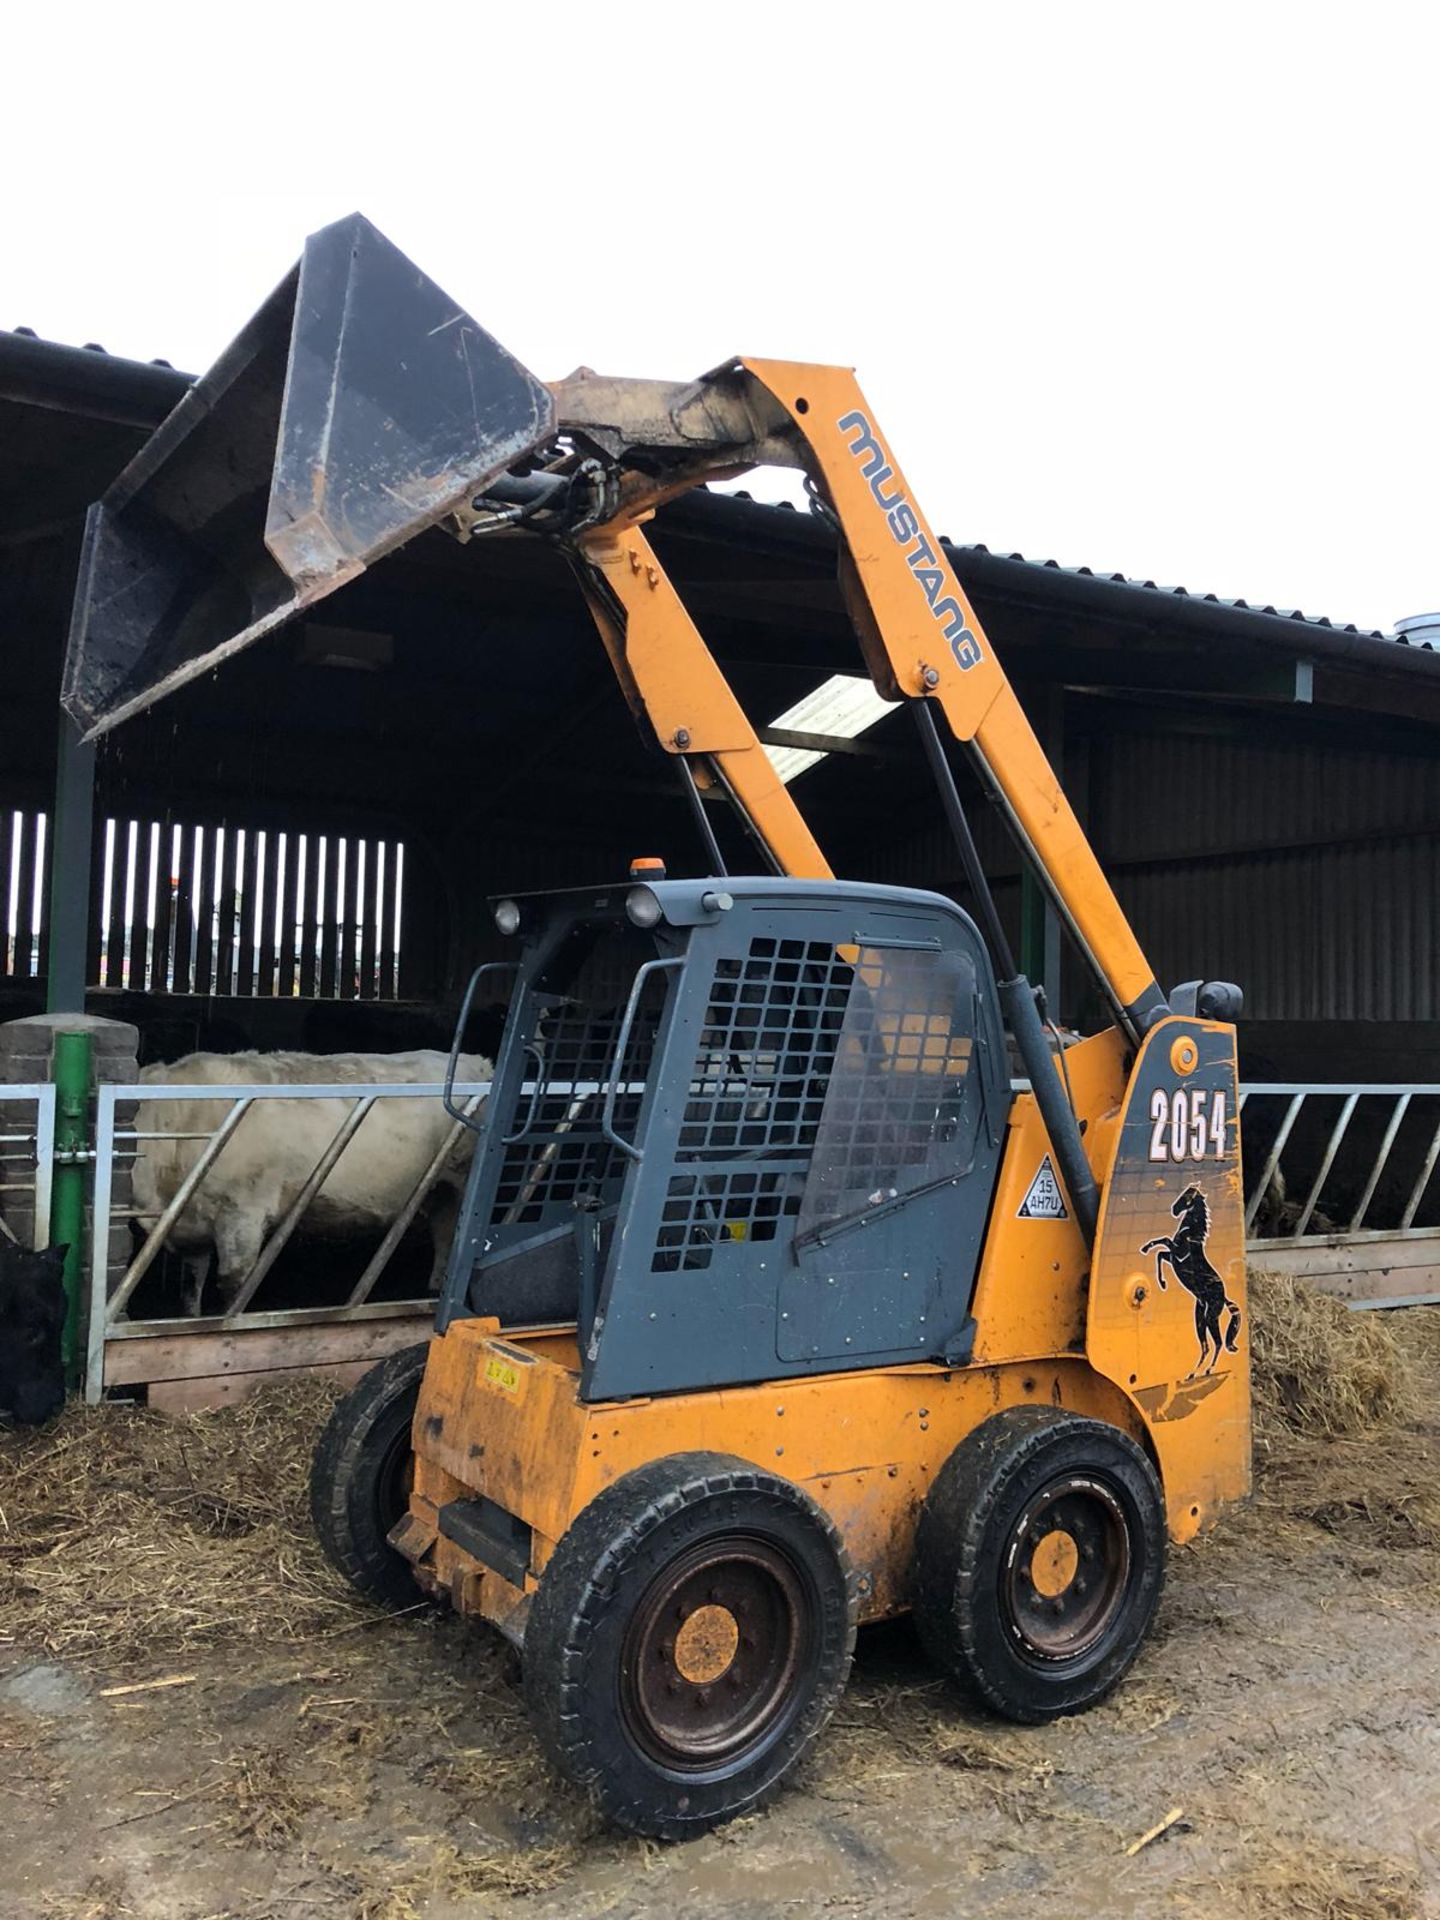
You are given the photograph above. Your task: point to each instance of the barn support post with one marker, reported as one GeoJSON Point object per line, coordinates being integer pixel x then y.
{"type": "Point", "coordinates": [73, 1070]}
{"type": "Point", "coordinates": [71, 846]}
{"type": "Point", "coordinates": [75, 1052]}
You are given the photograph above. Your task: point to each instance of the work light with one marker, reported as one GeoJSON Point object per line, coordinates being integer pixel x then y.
{"type": "Point", "coordinates": [643, 907]}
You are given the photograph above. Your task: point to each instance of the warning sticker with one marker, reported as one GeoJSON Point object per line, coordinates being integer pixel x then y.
{"type": "Point", "coordinates": [1044, 1201]}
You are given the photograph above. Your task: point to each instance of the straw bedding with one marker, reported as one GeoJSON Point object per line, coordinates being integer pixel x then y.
{"type": "Point", "coordinates": [126, 1534]}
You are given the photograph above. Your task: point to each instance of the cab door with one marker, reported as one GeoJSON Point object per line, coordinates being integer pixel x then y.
{"type": "Point", "coordinates": [895, 1201]}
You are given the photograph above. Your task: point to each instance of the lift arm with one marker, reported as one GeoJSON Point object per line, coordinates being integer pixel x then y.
{"type": "Point", "coordinates": [670, 677]}
{"type": "Point", "coordinates": [918, 632]}
{"type": "Point", "coordinates": [361, 405]}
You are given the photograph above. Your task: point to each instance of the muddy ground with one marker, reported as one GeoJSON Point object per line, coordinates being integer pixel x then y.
{"type": "Point", "coordinates": [323, 1762]}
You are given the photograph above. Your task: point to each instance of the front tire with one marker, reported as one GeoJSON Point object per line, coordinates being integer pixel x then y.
{"type": "Point", "coordinates": [361, 1474]}
{"type": "Point", "coordinates": [1040, 1556]}
{"type": "Point", "coordinates": [691, 1636]}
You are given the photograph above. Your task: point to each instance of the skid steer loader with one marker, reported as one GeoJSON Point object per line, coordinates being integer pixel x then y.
{"type": "Point", "coordinates": [773, 1309]}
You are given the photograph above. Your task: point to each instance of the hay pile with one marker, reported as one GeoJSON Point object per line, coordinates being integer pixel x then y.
{"type": "Point", "coordinates": [1344, 1440]}
{"type": "Point", "coordinates": [1323, 1371]}
{"type": "Point", "coordinates": [125, 1534]}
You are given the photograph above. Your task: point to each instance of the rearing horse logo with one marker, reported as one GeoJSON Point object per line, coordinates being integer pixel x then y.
{"type": "Point", "coordinates": [1184, 1252]}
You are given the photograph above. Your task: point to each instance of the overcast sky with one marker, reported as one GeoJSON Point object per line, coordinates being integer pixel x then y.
{"type": "Point", "coordinates": [1147, 288]}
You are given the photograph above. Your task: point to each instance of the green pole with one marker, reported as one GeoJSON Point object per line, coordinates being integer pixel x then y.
{"type": "Point", "coordinates": [71, 1073]}
{"type": "Point", "coordinates": [1032, 929]}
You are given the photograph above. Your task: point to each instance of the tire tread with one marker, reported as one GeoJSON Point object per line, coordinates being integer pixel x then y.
{"type": "Point", "coordinates": [339, 1464]}
{"type": "Point", "coordinates": [952, 1571]}
{"type": "Point", "coordinates": [601, 1543]}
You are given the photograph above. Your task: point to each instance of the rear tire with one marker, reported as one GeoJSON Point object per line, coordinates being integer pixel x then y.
{"type": "Point", "coordinates": [1039, 1560]}
{"type": "Point", "coordinates": [360, 1478]}
{"type": "Point", "coordinates": [691, 1636]}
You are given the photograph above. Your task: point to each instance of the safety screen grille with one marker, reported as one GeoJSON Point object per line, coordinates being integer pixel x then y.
{"type": "Point", "coordinates": [901, 1110]}
{"type": "Point", "coordinates": [765, 1051]}
{"type": "Point", "coordinates": [706, 1210]}
{"type": "Point", "coordinates": [757, 1093]}
{"type": "Point", "coordinates": [557, 1153]}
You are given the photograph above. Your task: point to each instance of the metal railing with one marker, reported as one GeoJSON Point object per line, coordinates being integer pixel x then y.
{"type": "Point", "coordinates": [1325, 1165]}
{"type": "Point", "coordinates": [117, 1144]}
{"type": "Point", "coordinates": [27, 1158]}
{"type": "Point", "coordinates": [1366, 1156]}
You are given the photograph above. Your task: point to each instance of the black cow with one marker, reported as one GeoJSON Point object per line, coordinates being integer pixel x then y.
{"type": "Point", "coordinates": [32, 1319]}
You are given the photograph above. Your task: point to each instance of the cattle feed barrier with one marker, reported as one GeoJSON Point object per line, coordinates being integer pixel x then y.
{"type": "Point", "coordinates": [1341, 1190]}
{"type": "Point", "coordinates": [228, 1339]}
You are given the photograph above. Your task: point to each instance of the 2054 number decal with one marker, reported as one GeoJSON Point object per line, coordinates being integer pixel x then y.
{"type": "Point", "coordinates": [1187, 1124]}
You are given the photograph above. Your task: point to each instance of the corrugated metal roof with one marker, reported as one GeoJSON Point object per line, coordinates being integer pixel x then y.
{"type": "Point", "coordinates": [93, 346]}
{"type": "Point", "coordinates": [1209, 599]}
{"type": "Point", "coordinates": [1128, 580]}
{"type": "Point", "coordinates": [1315, 622]}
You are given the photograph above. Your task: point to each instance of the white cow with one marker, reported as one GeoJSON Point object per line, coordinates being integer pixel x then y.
{"type": "Point", "coordinates": [277, 1145]}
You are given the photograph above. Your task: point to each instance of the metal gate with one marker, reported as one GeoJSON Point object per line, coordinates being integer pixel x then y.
{"type": "Point", "coordinates": [375, 1327]}
{"type": "Point", "coordinates": [27, 1159]}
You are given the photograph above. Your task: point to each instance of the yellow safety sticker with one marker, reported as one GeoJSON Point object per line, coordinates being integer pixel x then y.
{"type": "Point", "coordinates": [500, 1373]}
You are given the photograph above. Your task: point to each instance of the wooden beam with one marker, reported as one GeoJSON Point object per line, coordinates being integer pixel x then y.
{"type": "Point", "coordinates": [228, 1390]}
{"type": "Point", "coordinates": [1369, 1270]}
{"type": "Point", "coordinates": [300, 1347]}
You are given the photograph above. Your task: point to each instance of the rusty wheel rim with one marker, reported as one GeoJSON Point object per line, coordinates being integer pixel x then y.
{"type": "Point", "coordinates": [1066, 1570]}
{"type": "Point", "coordinates": [714, 1654]}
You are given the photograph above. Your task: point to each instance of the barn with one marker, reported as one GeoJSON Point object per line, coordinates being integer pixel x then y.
{"type": "Point", "coordinates": [297, 851]}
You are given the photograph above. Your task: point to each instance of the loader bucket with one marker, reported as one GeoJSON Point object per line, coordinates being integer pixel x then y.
{"type": "Point", "coordinates": [358, 407]}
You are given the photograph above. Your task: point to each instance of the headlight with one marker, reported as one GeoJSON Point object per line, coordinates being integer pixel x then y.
{"type": "Point", "coordinates": [507, 916]}
{"type": "Point", "coordinates": [642, 906]}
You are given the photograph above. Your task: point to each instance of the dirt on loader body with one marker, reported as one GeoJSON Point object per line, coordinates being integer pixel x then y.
{"type": "Point", "coordinates": [196, 1721]}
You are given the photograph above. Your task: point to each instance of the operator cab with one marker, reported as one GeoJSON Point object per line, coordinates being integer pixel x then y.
{"type": "Point", "coordinates": [739, 1130]}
